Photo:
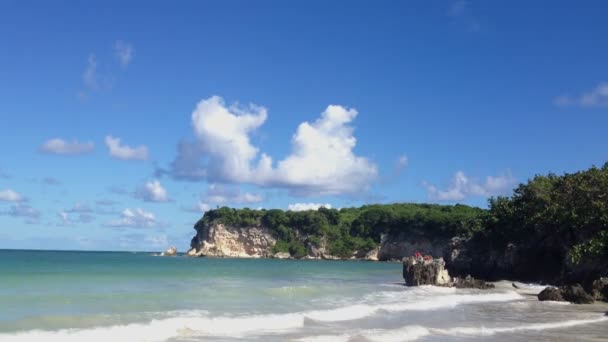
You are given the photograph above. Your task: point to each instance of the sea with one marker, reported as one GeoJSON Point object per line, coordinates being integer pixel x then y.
{"type": "Point", "coordinates": [124, 296]}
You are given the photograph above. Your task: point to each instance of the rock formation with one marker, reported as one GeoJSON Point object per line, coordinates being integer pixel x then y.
{"type": "Point", "coordinates": [569, 293]}
{"type": "Point", "coordinates": [425, 271]}
{"type": "Point", "coordinates": [222, 240]}
{"type": "Point", "coordinates": [171, 251]}
{"type": "Point", "coordinates": [419, 270]}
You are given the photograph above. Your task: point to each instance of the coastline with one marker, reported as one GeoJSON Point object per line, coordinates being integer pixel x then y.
{"type": "Point", "coordinates": [135, 297]}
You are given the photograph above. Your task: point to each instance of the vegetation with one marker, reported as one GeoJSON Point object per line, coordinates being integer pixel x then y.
{"type": "Point", "coordinates": [347, 230]}
{"type": "Point", "coordinates": [569, 210]}
{"type": "Point", "coordinates": [568, 213]}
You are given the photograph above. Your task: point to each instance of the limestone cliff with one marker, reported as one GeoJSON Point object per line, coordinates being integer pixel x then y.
{"type": "Point", "coordinates": [220, 240]}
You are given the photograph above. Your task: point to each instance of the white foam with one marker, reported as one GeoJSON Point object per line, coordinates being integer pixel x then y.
{"type": "Point", "coordinates": [415, 332]}
{"type": "Point", "coordinates": [161, 330]}
{"type": "Point", "coordinates": [483, 331]}
{"type": "Point", "coordinates": [407, 333]}
{"type": "Point", "coordinates": [325, 338]}
{"type": "Point", "coordinates": [198, 323]}
{"type": "Point", "coordinates": [449, 301]}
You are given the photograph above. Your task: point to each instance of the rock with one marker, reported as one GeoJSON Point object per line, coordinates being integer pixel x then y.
{"type": "Point", "coordinates": [569, 293]}
{"type": "Point", "coordinates": [220, 240]}
{"type": "Point", "coordinates": [171, 251]}
{"type": "Point", "coordinates": [281, 255]}
{"type": "Point", "coordinates": [471, 283]}
{"type": "Point", "coordinates": [192, 252]}
{"type": "Point", "coordinates": [599, 289]}
{"type": "Point", "coordinates": [576, 294]}
{"type": "Point", "coordinates": [372, 255]}
{"type": "Point", "coordinates": [418, 271]}
{"type": "Point", "coordinates": [552, 294]}
{"type": "Point", "coordinates": [515, 286]}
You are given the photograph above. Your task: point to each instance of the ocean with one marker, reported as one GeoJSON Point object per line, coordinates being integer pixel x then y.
{"type": "Point", "coordinates": [121, 296]}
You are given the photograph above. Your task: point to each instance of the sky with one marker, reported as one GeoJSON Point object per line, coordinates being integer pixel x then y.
{"type": "Point", "coordinates": [123, 122]}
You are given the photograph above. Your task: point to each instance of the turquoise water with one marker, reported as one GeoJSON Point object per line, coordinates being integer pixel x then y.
{"type": "Point", "coordinates": [77, 296]}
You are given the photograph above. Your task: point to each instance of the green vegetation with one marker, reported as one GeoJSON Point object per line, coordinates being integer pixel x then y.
{"type": "Point", "coordinates": [347, 230]}
{"type": "Point", "coordinates": [570, 211]}
{"type": "Point", "coordinates": [568, 214]}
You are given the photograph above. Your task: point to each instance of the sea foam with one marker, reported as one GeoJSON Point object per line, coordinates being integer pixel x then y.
{"type": "Point", "coordinates": [198, 323]}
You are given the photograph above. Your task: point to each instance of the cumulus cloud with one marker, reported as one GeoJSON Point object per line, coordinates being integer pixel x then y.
{"type": "Point", "coordinates": [152, 191]}
{"type": "Point", "coordinates": [9, 195]}
{"type": "Point", "coordinates": [322, 161]}
{"type": "Point", "coordinates": [597, 97]}
{"type": "Point", "coordinates": [220, 194]}
{"type": "Point", "coordinates": [134, 218]}
{"type": "Point", "coordinates": [124, 52]}
{"type": "Point", "coordinates": [124, 152]}
{"type": "Point", "coordinates": [462, 187]}
{"type": "Point", "coordinates": [307, 206]}
{"type": "Point", "coordinates": [60, 146]}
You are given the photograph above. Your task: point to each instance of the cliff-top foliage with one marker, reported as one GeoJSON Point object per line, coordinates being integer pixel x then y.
{"type": "Point", "coordinates": [347, 230]}
{"type": "Point", "coordinates": [571, 210]}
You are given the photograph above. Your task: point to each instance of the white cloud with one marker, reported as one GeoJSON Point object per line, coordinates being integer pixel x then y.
{"type": "Point", "coordinates": [23, 210]}
{"type": "Point", "coordinates": [60, 146]}
{"type": "Point", "coordinates": [9, 195]}
{"type": "Point", "coordinates": [125, 152]}
{"type": "Point", "coordinates": [597, 97]}
{"type": "Point", "coordinates": [322, 161]}
{"type": "Point", "coordinates": [89, 77]}
{"type": "Point", "coordinates": [152, 191]}
{"type": "Point", "coordinates": [402, 162]}
{"type": "Point", "coordinates": [124, 52]}
{"type": "Point", "coordinates": [68, 221]}
{"type": "Point", "coordinates": [220, 194]}
{"type": "Point", "coordinates": [307, 206]}
{"type": "Point", "coordinates": [134, 218]}
{"type": "Point", "coordinates": [462, 187]}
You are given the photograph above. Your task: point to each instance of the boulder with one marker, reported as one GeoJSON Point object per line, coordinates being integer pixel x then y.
{"type": "Point", "coordinates": [569, 293]}
{"type": "Point", "coordinates": [551, 293]}
{"type": "Point", "coordinates": [281, 255]}
{"type": "Point", "coordinates": [599, 289]}
{"type": "Point", "coordinates": [171, 251]}
{"type": "Point", "coordinates": [576, 294]}
{"type": "Point", "coordinates": [418, 271]}
{"type": "Point", "coordinates": [372, 255]}
{"type": "Point", "coordinates": [471, 283]}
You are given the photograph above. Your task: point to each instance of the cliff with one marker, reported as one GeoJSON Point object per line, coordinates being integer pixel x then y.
{"type": "Point", "coordinates": [217, 239]}
{"type": "Point", "coordinates": [221, 240]}
{"type": "Point", "coordinates": [374, 232]}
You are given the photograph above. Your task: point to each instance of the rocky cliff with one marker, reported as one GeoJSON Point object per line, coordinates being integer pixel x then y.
{"type": "Point", "coordinates": [222, 240]}
{"type": "Point", "coordinates": [256, 241]}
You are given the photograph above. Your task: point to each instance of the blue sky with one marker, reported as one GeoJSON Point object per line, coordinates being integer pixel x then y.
{"type": "Point", "coordinates": [122, 122]}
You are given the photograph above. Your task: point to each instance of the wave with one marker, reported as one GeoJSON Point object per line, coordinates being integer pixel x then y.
{"type": "Point", "coordinates": [415, 332]}
{"type": "Point", "coordinates": [198, 322]}
{"type": "Point", "coordinates": [483, 331]}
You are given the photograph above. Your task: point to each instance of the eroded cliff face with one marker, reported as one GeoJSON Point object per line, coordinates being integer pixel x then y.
{"type": "Point", "coordinates": [222, 240]}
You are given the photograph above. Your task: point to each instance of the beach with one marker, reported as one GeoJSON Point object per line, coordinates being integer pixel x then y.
{"type": "Point", "coordinates": [123, 296]}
